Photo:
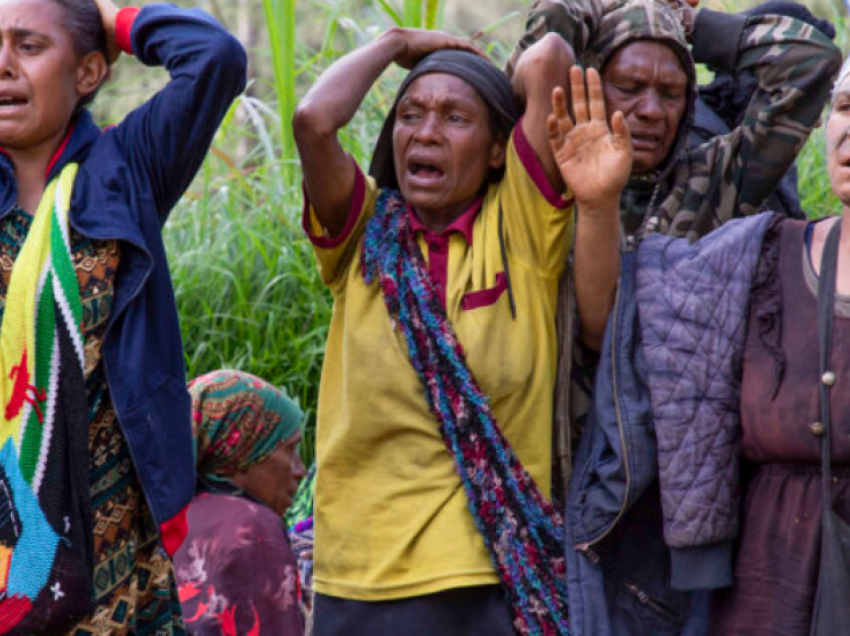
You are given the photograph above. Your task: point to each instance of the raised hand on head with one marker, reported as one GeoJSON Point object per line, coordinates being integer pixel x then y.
{"type": "Point", "coordinates": [108, 13]}
{"type": "Point", "coordinates": [421, 42]}
{"type": "Point", "coordinates": [595, 161]}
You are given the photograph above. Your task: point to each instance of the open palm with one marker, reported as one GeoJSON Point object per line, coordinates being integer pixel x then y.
{"type": "Point", "coordinates": [595, 161]}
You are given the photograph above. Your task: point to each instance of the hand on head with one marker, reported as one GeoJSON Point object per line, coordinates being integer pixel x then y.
{"type": "Point", "coordinates": [420, 42]}
{"type": "Point", "coordinates": [108, 13]}
{"type": "Point", "coordinates": [595, 161]}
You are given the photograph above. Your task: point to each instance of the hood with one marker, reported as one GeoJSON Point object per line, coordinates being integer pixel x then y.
{"type": "Point", "coordinates": [627, 21]}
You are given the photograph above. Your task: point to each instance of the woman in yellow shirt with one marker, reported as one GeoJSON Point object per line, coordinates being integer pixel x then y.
{"type": "Point", "coordinates": [435, 411]}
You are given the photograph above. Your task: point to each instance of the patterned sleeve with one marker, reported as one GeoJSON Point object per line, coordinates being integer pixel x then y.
{"type": "Point", "coordinates": [262, 580]}
{"type": "Point", "coordinates": [573, 20]}
{"type": "Point", "coordinates": [236, 571]}
{"type": "Point", "coordinates": [795, 65]}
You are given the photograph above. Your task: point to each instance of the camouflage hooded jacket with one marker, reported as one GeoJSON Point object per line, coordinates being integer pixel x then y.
{"type": "Point", "coordinates": [693, 191]}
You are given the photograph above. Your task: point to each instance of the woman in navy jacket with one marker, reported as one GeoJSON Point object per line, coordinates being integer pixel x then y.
{"type": "Point", "coordinates": [54, 54]}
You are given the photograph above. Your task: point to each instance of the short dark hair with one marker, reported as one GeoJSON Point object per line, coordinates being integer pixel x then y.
{"type": "Point", "coordinates": [84, 23]}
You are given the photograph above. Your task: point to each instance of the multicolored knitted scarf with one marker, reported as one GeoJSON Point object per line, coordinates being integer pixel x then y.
{"type": "Point", "coordinates": [45, 507]}
{"type": "Point", "coordinates": [43, 275]}
{"type": "Point", "coordinates": [520, 527]}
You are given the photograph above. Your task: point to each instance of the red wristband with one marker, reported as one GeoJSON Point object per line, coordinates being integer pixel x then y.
{"type": "Point", "coordinates": [124, 27]}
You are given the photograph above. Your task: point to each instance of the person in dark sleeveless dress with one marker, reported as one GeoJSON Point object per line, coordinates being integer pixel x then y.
{"type": "Point", "coordinates": [778, 551]}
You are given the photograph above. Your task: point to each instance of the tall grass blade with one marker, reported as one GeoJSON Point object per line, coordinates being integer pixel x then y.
{"type": "Point", "coordinates": [280, 21]}
{"type": "Point", "coordinates": [433, 14]}
{"type": "Point", "coordinates": [391, 13]}
{"type": "Point", "coordinates": [413, 14]}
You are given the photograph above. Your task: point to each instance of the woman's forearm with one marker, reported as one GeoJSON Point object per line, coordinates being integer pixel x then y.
{"type": "Point", "coordinates": [329, 173]}
{"type": "Point", "coordinates": [169, 135]}
{"type": "Point", "coordinates": [335, 97]}
{"type": "Point", "coordinates": [795, 65]}
{"type": "Point", "coordinates": [541, 68]}
{"type": "Point", "coordinates": [573, 20]}
{"type": "Point", "coordinates": [596, 266]}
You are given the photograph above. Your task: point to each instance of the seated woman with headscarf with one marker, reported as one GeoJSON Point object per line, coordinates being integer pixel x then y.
{"type": "Point", "coordinates": [435, 410]}
{"type": "Point", "coordinates": [236, 571]}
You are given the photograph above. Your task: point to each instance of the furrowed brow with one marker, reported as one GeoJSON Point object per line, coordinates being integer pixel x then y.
{"type": "Point", "coordinates": [27, 33]}
{"type": "Point", "coordinates": [444, 102]}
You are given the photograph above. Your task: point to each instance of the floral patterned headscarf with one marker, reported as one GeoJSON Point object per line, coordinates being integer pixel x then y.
{"type": "Point", "coordinates": [238, 421]}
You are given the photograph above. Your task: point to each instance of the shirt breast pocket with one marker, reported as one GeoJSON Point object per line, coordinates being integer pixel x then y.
{"type": "Point", "coordinates": [485, 297]}
{"type": "Point", "coordinates": [498, 346]}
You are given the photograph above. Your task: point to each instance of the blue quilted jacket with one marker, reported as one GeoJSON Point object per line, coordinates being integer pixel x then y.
{"type": "Point", "coordinates": [653, 503]}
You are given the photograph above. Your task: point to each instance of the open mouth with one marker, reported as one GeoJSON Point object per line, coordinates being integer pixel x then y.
{"type": "Point", "coordinates": [11, 102]}
{"type": "Point", "coordinates": [424, 171]}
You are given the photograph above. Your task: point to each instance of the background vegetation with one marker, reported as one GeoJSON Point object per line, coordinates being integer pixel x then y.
{"type": "Point", "coordinates": [246, 283]}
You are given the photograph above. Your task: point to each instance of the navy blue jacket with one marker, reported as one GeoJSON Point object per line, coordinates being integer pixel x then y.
{"type": "Point", "coordinates": [618, 566]}
{"type": "Point", "coordinates": [129, 179]}
{"type": "Point", "coordinates": [649, 529]}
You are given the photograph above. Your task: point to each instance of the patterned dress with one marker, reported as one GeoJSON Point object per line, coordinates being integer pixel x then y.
{"type": "Point", "coordinates": [237, 573]}
{"type": "Point", "coordinates": [134, 587]}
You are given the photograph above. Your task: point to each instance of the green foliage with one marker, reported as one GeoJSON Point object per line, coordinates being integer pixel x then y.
{"type": "Point", "coordinates": [422, 14]}
{"type": "Point", "coordinates": [246, 283]}
{"type": "Point", "coordinates": [816, 196]}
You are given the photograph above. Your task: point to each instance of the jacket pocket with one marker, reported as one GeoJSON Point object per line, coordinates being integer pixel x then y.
{"type": "Point", "coordinates": [485, 297]}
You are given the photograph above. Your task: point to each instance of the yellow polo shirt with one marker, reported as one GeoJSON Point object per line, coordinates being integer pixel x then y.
{"type": "Point", "coordinates": [391, 515]}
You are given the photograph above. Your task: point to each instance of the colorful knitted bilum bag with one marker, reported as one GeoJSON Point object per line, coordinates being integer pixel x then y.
{"type": "Point", "coordinates": [46, 552]}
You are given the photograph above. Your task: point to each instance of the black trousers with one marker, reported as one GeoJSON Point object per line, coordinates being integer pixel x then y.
{"type": "Point", "coordinates": [472, 611]}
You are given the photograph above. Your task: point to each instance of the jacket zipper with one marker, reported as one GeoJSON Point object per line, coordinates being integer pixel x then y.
{"type": "Point", "coordinates": [642, 597]}
{"type": "Point", "coordinates": [587, 548]}
{"type": "Point", "coordinates": [647, 600]}
{"type": "Point", "coordinates": [614, 349]}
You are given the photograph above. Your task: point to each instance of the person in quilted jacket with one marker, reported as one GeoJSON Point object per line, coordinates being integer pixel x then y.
{"type": "Point", "coordinates": [717, 364]}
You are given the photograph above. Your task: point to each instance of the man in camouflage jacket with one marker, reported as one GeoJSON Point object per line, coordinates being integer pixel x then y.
{"type": "Point", "coordinates": [691, 192]}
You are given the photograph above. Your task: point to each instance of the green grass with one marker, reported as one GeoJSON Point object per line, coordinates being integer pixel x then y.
{"type": "Point", "coordinates": [247, 287]}
{"type": "Point", "coordinates": [816, 196]}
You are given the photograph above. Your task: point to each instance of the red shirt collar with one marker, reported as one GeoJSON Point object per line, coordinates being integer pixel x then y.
{"type": "Point", "coordinates": [462, 224]}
